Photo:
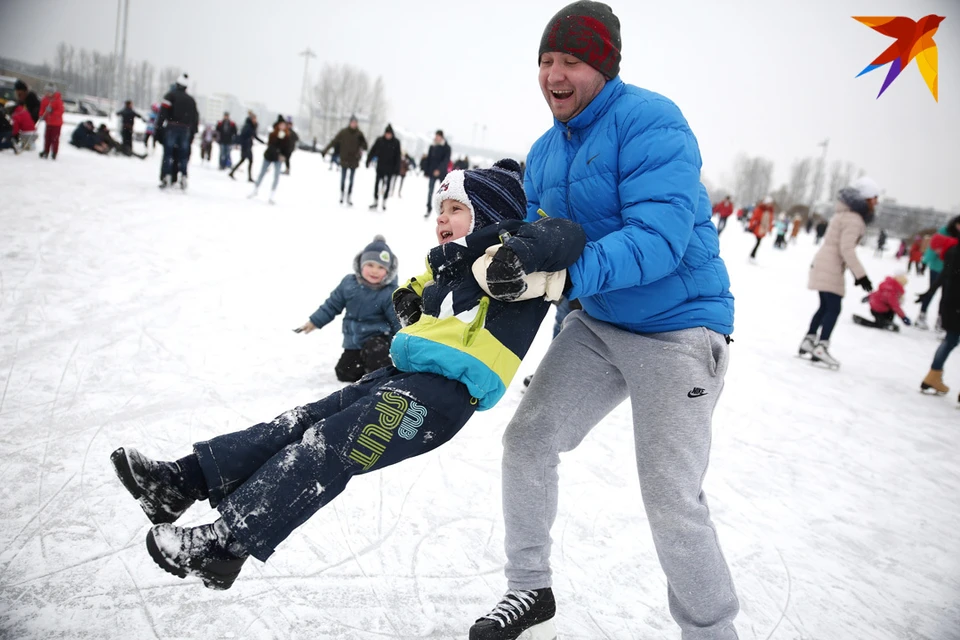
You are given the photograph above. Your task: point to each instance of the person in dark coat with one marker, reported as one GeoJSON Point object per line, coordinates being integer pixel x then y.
{"type": "Point", "coordinates": [949, 279]}
{"type": "Point", "coordinates": [103, 136]}
{"type": "Point", "coordinates": [352, 144]}
{"type": "Point", "coordinates": [436, 165]}
{"type": "Point", "coordinates": [278, 147]}
{"type": "Point", "coordinates": [247, 135]}
{"type": "Point", "coordinates": [386, 149]}
{"type": "Point", "coordinates": [85, 137]}
{"type": "Point", "coordinates": [127, 116]}
{"type": "Point", "coordinates": [226, 131]}
{"type": "Point", "coordinates": [294, 141]}
{"type": "Point", "coordinates": [370, 322]}
{"type": "Point", "coordinates": [28, 99]}
{"type": "Point", "coordinates": [178, 119]}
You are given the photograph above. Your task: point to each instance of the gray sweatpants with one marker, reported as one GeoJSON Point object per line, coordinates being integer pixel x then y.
{"type": "Point", "coordinates": [673, 381]}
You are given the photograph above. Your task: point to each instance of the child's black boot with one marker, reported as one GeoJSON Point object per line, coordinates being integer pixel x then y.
{"type": "Point", "coordinates": [165, 490]}
{"type": "Point", "coordinates": [209, 552]}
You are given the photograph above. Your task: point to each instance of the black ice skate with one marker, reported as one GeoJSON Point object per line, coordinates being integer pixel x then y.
{"type": "Point", "coordinates": [209, 552]}
{"type": "Point", "coordinates": [152, 483]}
{"type": "Point", "coordinates": [520, 615]}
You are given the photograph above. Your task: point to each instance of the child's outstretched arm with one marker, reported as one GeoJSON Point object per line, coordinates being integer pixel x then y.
{"type": "Point", "coordinates": [326, 312]}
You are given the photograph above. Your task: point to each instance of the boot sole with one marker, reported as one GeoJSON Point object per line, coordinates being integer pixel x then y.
{"type": "Point", "coordinates": [215, 582]}
{"type": "Point", "coordinates": [121, 465]}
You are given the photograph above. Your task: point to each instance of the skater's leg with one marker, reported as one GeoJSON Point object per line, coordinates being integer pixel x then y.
{"type": "Point", "coordinates": [831, 303]}
{"type": "Point", "coordinates": [353, 172]}
{"type": "Point", "coordinates": [229, 460]}
{"type": "Point", "coordinates": [949, 343]}
{"type": "Point", "coordinates": [882, 319]}
{"type": "Point", "coordinates": [554, 416]}
{"type": "Point", "coordinates": [753, 254]}
{"type": "Point", "coordinates": [672, 429]}
{"type": "Point", "coordinates": [375, 353]}
{"type": "Point", "coordinates": [405, 416]}
{"type": "Point", "coordinates": [276, 174]}
{"type": "Point", "coordinates": [349, 367]}
{"type": "Point", "coordinates": [817, 319]}
{"type": "Point", "coordinates": [343, 178]}
{"type": "Point", "coordinates": [263, 171]}
{"type": "Point", "coordinates": [250, 168]}
{"type": "Point", "coordinates": [925, 302]}
{"type": "Point", "coordinates": [387, 181]}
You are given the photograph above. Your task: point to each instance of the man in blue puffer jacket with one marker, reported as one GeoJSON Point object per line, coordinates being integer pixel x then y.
{"type": "Point", "coordinates": [657, 312]}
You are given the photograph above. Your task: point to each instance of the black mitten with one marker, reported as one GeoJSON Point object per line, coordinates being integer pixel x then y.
{"type": "Point", "coordinates": [408, 305]}
{"type": "Point", "coordinates": [505, 275]}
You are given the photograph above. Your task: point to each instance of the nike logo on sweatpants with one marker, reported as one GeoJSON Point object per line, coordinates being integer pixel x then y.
{"type": "Point", "coordinates": [696, 393]}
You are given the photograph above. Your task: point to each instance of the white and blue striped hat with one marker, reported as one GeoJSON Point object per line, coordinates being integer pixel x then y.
{"type": "Point", "coordinates": [492, 195]}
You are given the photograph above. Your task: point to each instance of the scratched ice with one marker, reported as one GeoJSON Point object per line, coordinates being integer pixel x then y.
{"type": "Point", "coordinates": [133, 317]}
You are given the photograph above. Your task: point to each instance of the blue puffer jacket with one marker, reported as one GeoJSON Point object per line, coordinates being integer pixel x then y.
{"type": "Point", "coordinates": [627, 169]}
{"type": "Point", "coordinates": [369, 308]}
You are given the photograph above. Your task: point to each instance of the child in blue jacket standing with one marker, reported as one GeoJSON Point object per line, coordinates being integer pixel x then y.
{"type": "Point", "coordinates": [457, 353]}
{"type": "Point", "coordinates": [370, 322]}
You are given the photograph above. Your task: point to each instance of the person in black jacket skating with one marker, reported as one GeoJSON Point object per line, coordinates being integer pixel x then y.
{"type": "Point", "coordinates": [178, 118]}
{"type": "Point", "coordinates": [386, 149]}
{"type": "Point", "coordinates": [247, 135]}
{"type": "Point", "coordinates": [435, 168]}
{"type": "Point", "coordinates": [278, 148]}
{"type": "Point", "coordinates": [127, 116]}
{"type": "Point", "coordinates": [226, 131]}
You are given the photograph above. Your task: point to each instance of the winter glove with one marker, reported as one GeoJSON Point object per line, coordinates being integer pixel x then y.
{"type": "Point", "coordinates": [906, 321]}
{"type": "Point", "coordinates": [922, 297]}
{"type": "Point", "coordinates": [408, 305]}
{"type": "Point", "coordinates": [865, 283]}
{"type": "Point", "coordinates": [505, 275]}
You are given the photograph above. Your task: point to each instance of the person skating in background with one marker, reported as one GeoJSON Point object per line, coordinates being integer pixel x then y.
{"type": "Point", "coordinates": [247, 135]}
{"type": "Point", "coordinates": [456, 354]}
{"type": "Point", "coordinates": [761, 223]}
{"type": "Point", "coordinates": [723, 210]}
{"type": "Point", "coordinates": [945, 237]}
{"type": "Point", "coordinates": [854, 211]}
{"type": "Point", "coordinates": [294, 140]}
{"type": "Point", "coordinates": [28, 99]}
{"type": "Point", "coordinates": [915, 254]}
{"type": "Point", "coordinates": [370, 321]}
{"type": "Point", "coordinates": [206, 143]}
{"type": "Point", "coordinates": [352, 144]}
{"type": "Point", "coordinates": [226, 131]}
{"type": "Point", "coordinates": [780, 227]}
{"type": "Point", "coordinates": [821, 230]}
{"type": "Point", "coordinates": [51, 112]}
{"type": "Point", "coordinates": [127, 117]}
{"type": "Point", "coordinates": [178, 119]}
{"type": "Point", "coordinates": [435, 166]}
{"type": "Point", "coordinates": [150, 131]}
{"type": "Point", "coordinates": [334, 157]}
{"type": "Point", "coordinates": [386, 149]}
{"type": "Point", "coordinates": [881, 243]}
{"type": "Point", "coordinates": [885, 302]}
{"type": "Point", "coordinates": [795, 231]}
{"type": "Point", "coordinates": [949, 282]}
{"type": "Point", "coordinates": [278, 146]}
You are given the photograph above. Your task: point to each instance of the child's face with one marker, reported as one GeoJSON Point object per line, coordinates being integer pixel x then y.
{"type": "Point", "coordinates": [373, 272]}
{"type": "Point", "coordinates": [453, 222]}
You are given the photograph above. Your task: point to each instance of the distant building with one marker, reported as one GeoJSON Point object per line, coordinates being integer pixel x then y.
{"type": "Point", "coordinates": [902, 221]}
{"type": "Point", "coordinates": [213, 106]}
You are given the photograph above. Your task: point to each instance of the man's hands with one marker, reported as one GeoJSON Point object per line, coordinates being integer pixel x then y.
{"type": "Point", "coordinates": [408, 305]}
{"type": "Point", "coordinates": [505, 275]}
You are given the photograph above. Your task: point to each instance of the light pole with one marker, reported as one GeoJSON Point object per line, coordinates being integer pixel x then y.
{"type": "Point", "coordinates": [123, 52]}
{"type": "Point", "coordinates": [821, 172]}
{"type": "Point", "coordinates": [304, 90]}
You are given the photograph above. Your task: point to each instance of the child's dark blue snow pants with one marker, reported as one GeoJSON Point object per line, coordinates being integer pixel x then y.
{"type": "Point", "coordinates": [269, 479]}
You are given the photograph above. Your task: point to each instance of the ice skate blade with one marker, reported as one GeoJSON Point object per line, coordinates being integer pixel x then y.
{"type": "Point", "coordinates": [543, 631]}
{"type": "Point", "coordinates": [926, 389]}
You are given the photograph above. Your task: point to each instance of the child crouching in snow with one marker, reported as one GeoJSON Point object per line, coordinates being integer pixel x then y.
{"type": "Point", "coordinates": [885, 301]}
{"type": "Point", "coordinates": [370, 321]}
{"type": "Point", "coordinates": [457, 353]}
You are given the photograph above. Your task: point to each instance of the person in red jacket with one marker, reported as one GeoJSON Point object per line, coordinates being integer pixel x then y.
{"type": "Point", "coordinates": [723, 209]}
{"type": "Point", "coordinates": [761, 222]}
{"type": "Point", "coordinates": [885, 301]}
{"type": "Point", "coordinates": [51, 111]}
{"type": "Point", "coordinates": [915, 255]}
{"type": "Point", "coordinates": [24, 131]}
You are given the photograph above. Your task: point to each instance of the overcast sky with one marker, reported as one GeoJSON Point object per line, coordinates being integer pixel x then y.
{"type": "Point", "coordinates": [759, 76]}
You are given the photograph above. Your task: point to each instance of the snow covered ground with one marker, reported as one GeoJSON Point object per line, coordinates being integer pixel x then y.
{"type": "Point", "coordinates": [136, 317]}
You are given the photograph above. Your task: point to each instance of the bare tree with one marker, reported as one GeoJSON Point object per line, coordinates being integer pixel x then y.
{"type": "Point", "coordinates": [799, 181]}
{"type": "Point", "coordinates": [343, 91]}
{"type": "Point", "coordinates": [168, 75]}
{"type": "Point", "coordinates": [378, 105]}
{"type": "Point", "coordinates": [752, 178]}
{"type": "Point", "coordinates": [841, 174]}
{"type": "Point", "coordinates": [780, 197]}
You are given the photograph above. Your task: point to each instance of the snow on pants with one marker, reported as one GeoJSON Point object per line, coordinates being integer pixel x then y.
{"type": "Point", "coordinates": [673, 381]}
{"type": "Point", "coordinates": [269, 479]}
{"type": "Point", "coordinates": [51, 139]}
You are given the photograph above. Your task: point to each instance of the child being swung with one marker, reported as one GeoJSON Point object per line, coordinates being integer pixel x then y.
{"type": "Point", "coordinates": [370, 321]}
{"type": "Point", "coordinates": [457, 353]}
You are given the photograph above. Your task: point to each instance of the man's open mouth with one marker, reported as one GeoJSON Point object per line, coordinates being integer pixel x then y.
{"type": "Point", "coordinates": [561, 95]}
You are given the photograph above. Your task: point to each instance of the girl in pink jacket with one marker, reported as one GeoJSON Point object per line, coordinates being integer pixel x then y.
{"type": "Point", "coordinates": [885, 301]}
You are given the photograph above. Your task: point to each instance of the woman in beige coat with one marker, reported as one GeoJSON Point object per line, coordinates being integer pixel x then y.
{"type": "Point", "coordinates": [855, 205]}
